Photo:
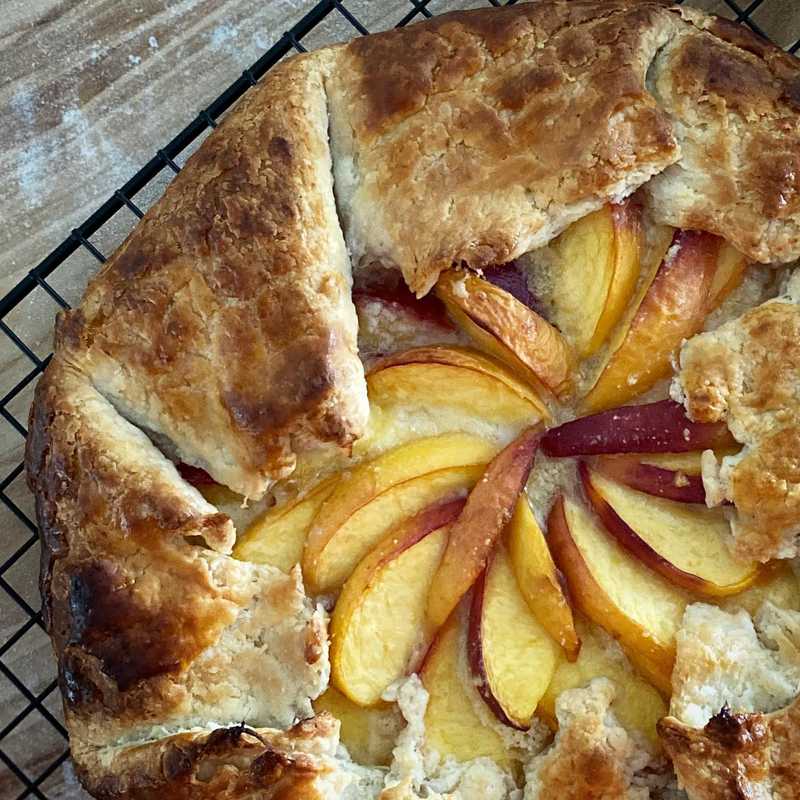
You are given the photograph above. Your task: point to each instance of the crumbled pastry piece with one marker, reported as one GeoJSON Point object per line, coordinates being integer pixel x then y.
{"type": "Point", "coordinates": [592, 755]}
{"type": "Point", "coordinates": [415, 774]}
{"type": "Point", "coordinates": [729, 660]}
{"type": "Point", "coordinates": [730, 671]}
{"type": "Point", "coordinates": [234, 762]}
{"type": "Point", "coordinates": [737, 756]}
{"type": "Point", "coordinates": [407, 771]}
{"type": "Point", "coordinates": [746, 373]}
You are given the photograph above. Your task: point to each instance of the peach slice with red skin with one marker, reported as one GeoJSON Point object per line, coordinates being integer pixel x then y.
{"type": "Point", "coordinates": [617, 591]}
{"type": "Point", "coordinates": [668, 483]}
{"type": "Point", "coordinates": [673, 309]}
{"type": "Point", "coordinates": [684, 544]}
{"type": "Point", "coordinates": [648, 428]}
{"type": "Point", "coordinates": [507, 329]}
{"type": "Point", "coordinates": [376, 494]}
{"type": "Point", "coordinates": [377, 626]}
{"type": "Point", "coordinates": [512, 657]}
{"type": "Point", "coordinates": [453, 726]}
{"type": "Point", "coordinates": [473, 535]}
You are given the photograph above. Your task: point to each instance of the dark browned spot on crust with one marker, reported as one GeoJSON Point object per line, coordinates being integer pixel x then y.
{"type": "Point", "coordinates": [731, 730]}
{"type": "Point", "coordinates": [515, 92]}
{"type": "Point", "coordinates": [709, 67]}
{"type": "Point", "coordinates": [69, 328]}
{"type": "Point", "coordinates": [280, 149]}
{"type": "Point", "coordinates": [133, 642]}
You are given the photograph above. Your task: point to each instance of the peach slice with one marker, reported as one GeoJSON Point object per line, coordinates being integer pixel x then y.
{"type": "Point", "coordinates": [672, 310]}
{"type": "Point", "coordinates": [452, 725]}
{"type": "Point", "coordinates": [369, 524]}
{"type": "Point", "coordinates": [511, 655]}
{"type": "Point", "coordinates": [378, 622]}
{"type": "Point", "coordinates": [487, 512]}
{"type": "Point", "coordinates": [648, 428]}
{"type": "Point", "coordinates": [637, 705]}
{"type": "Point", "coordinates": [468, 358]}
{"type": "Point", "coordinates": [689, 463]}
{"type": "Point", "coordinates": [507, 329]}
{"type": "Point", "coordinates": [731, 266]}
{"type": "Point", "coordinates": [369, 734]}
{"type": "Point", "coordinates": [278, 536]}
{"type": "Point", "coordinates": [450, 391]}
{"type": "Point", "coordinates": [683, 543]}
{"type": "Point", "coordinates": [598, 266]}
{"type": "Point", "coordinates": [376, 495]}
{"type": "Point", "coordinates": [539, 579]}
{"type": "Point", "coordinates": [615, 590]}
{"type": "Point", "coordinates": [668, 483]}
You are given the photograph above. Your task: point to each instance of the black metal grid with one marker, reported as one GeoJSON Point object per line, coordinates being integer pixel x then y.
{"type": "Point", "coordinates": [80, 237]}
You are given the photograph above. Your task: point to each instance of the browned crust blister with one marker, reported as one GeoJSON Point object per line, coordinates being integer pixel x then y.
{"type": "Point", "coordinates": [737, 756]}
{"type": "Point", "coordinates": [235, 762]}
{"type": "Point", "coordinates": [223, 329]}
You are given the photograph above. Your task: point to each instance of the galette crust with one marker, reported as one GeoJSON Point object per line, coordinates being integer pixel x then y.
{"type": "Point", "coordinates": [733, 100]}
{"type": "Point", "coordinates": [155, 628]}
{"type": "Point", "coordinates": [479, 136]}
{"type": "Point", "coordinates": [222, 764]}
{"type": "Point", "coordinates": [746, 373]}
{"type": "Point", "coordinates": [224, 322]}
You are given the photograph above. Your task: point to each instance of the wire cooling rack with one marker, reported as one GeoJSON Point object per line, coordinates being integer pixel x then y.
{"type": "Point", "coordinates": [33, 722]}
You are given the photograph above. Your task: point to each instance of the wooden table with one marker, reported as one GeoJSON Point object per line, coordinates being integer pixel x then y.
{"type": "Point", "coordinates": [91, 89]}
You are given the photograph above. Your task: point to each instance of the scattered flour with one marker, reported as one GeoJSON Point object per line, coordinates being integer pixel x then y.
{"type": "Point", "coordinates": [222, 36]}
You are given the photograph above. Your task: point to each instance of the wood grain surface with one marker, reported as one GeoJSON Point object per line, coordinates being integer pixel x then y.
{"type": "Point", "coordinates": [90, 90]}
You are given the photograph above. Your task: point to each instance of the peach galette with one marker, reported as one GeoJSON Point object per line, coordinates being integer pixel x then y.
{"type": "Point", "coordinates": [437, 434]}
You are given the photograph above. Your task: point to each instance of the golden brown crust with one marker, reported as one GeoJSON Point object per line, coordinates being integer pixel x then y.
{"type": "Point", "coordinates": [224, 321]}
{"type": "Point", "coordinates": [734, 100]}
{"type": "Point", "coordinates": [746, 373]}
{"type": "Point", "coordinates": [737, 756]}
{"type": "Point", "coordinates": [150, 625]}
{"type": "Point", "coordinates": [592, 757]}
{"type": "Point", "coordinates": [236, 762]}
{"type": "Point", "coordinates": [479, 135]}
